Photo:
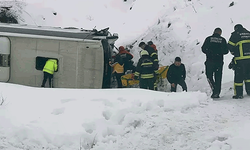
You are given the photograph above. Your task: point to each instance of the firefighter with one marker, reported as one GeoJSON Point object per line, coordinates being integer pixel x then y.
{"type": "Point", "coordinates": [177, 75]}
{"type": "Point", "coordinates": [239, 46]}
{"type": "Point", "coordinates": [152, 53]}
{"type": "Point", "coordinates": [48, 71]}
{"type": "Point", "coordinates": [215, 46]}
{"type": "Point", "coordinates": [145, 71]}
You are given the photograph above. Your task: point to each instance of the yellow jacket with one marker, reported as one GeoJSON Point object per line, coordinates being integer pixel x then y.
{"type": "Point", "coordinates": [50, 66]}
{"type": "Point", "coordinates": [118, 68]}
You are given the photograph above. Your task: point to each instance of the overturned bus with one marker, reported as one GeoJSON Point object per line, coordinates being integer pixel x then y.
{"type": "Point", "coordinates": [83, 55]}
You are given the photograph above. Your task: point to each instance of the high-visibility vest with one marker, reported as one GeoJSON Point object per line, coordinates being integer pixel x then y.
{"type": "Point", "coordinates": [50, 66]}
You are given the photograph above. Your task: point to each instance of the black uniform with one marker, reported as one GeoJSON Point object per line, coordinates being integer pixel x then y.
{"type": "Point", "coordinates": [177, 75]}
{"type": "Point", "coordinates": [214, 47]}
{"type": "Point", "coordinates": [153, 55]}
{"type": "Point", "coordinates": [145, 71]}
{"type": "Point", "coordinates": [127, 59]}
{"type": "Point", "coordinates": [239, 46]}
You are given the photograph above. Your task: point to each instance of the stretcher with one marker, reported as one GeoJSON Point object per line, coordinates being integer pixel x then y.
{"type": "Point", "coordinates": [128, 79]}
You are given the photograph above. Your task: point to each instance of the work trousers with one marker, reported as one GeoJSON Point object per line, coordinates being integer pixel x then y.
{"type": "Point", "coordinates": [214, 75]}
{"type": "Point", "coordinates": [182, 83]}
{"type": "Point", "coordinates": [46, 76]}
{"type": "Point", "coordinates": [242, 73]}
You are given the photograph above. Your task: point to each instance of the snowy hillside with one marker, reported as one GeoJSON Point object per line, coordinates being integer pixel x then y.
{"type": "Point", "coordinates": [183, 28]}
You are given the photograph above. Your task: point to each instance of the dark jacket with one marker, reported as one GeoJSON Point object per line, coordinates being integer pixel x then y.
{"type": "Point", "coordinates": [240, 38]}
{"type": "Point", "coordinates": [145, 68]}
{"type": "Point", "coordinates": [215, 47]}
{"type": "Point", "coordinates": [176, 73]}
{"type": "Point", "coordinates": [153, 55]}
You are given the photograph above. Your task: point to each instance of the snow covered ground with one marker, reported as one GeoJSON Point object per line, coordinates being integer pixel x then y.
{"type": "Point", "coordinates": [35, 118]}
{"type": "Point", "coordinates": [124, 119]}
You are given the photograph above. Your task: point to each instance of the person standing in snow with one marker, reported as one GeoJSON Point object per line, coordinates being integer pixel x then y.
{"type": "Point", "coordinates": [145, 71]}
{"type": "Point", "coordinates": [177, 75]}
{"type": "Point", "coordinates": [215, 46]}
{"type": "Point", "coordinates": [118, 66]}
{"type": "Point", "coordinates": [239, 46]}
{"type": "Point", "coordinates": [48, 71]}
{"type": "Point", "coordinates": [153, 54]}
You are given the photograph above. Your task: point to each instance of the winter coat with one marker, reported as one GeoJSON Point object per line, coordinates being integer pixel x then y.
{"type": "Point", "coordinates": [50, 66]}
{"type": "Point", "coordinates": [118, 65]}
{"type": "Point", "coordinates": [176, 73]}
{"type": "Point", "coordinates": [145, 68]}
{"type": "Point", "coordinates": [153, 55]}
{"type": "Point", "coordinates": [215, 47]}
{"type": "Point", "coordinates": [154, 47]}
{"type": "Point", "coordinates": [239, 44]}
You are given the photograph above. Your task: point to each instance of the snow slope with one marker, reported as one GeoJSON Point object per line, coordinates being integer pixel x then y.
{"type": "Point", "coordinates": [182, 30]}
{"type": "Point", "coordinates": [75, 119]}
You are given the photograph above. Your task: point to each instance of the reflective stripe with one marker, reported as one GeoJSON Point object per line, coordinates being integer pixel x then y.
{"type": "Point", "coordinates": [149, 63]}
{"type": "Point", "coordinates": [231, 43]}
{"type": "Point", "coordinates": [238, 84]}
{"type": "Point", "coordinates": [235, 90]}
{"type": "Point", "coordinates": [247, 80]}
{"type": "Point", "coordinates": [147, 76]}
{"type": "Point", "coordinates": [240, 58]}
{"type": "Point", "coordinates": [137, 74]}
{"type": "Point", "coordinates": [157, 71]}
{"type": "Point", "coordinates": [241, 50]}
{"type": "Point", "coordinates": [242, 42]}
{"type": "Point", "coordinates": [153, 54]}
{"type": "Point", "coordinates": [156, 60]}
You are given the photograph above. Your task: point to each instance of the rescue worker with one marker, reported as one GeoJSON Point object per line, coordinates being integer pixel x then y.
{"type": "Point", "coordinates": [177, 75]}
{"type": "Point", "coordinates": [239, 46]}
{"type": "Point", "coordinates": [48, 71]}
{"type": "Point", "coordinates": [118, 69]}
{"type": "Point", "coordinates": [150, 43]}
{"type": "Point", "coordinates": [145, 71]}
{"type": "Point", "coordinates": [152, 53]}
{"type": "Point", "coordinates": [215, 46]}
{"type": "Point", "coordinates": [127, 59]}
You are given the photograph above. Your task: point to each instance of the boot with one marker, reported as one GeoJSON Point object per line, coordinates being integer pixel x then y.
{"type": "Point", "coordinates": [237, 97]}
{"type": "Point", "coordinates": [215, 96]}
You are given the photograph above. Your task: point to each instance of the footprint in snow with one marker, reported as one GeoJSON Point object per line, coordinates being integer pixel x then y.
{"type": "Point", "coordinates": [67, 100]}
{"type": "Point", "coordinates": [58, 111]}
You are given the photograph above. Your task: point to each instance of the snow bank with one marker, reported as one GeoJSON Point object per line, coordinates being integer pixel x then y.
{"type": "Point", "coordinates": [35, 118]}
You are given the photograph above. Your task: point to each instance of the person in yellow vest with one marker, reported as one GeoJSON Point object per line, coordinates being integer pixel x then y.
{"type": "Point", "coordinates": [48, 71]}
{"type": "Point", "coordinates": [118, 69]}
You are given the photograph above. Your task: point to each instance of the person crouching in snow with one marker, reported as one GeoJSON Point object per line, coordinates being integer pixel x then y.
{"type": "Point", "coordinates": [48, 71]}
{"type": "Point", "coordinates": [145, 71]}
{"type": "Point", "coordinates": [177, 75]}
